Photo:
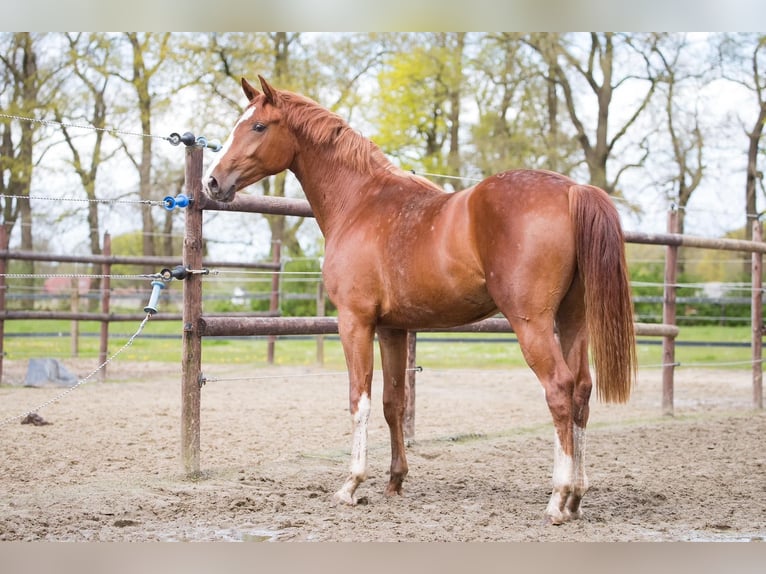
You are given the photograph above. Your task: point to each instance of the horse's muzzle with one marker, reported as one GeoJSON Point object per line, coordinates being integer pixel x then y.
{"type": "Point", "coordinates": [214, 190]}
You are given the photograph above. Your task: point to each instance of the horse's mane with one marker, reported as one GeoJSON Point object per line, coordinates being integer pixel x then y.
{"type": "Point", "coordinates": [323, 127]}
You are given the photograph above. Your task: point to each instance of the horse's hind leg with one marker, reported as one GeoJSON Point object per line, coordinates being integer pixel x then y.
{"type": "Point", "coordinates": [574, 344]}
{"type": "Point", "coordinates": [393, 351]}
{"type": "Point", "coordinates": [543, 354]}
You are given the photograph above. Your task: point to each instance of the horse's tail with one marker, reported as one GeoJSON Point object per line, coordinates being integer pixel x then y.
{"type": "Point", "coordinates": [600, 247]}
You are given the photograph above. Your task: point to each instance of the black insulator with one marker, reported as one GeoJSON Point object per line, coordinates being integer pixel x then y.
{"type": "Point", "coordinates": [188, 139]}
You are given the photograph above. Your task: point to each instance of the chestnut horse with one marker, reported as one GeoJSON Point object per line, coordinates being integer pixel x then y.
{"type": "Point", "coordinates": [401, 254]}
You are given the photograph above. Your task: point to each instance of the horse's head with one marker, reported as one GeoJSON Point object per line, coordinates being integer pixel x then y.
{"type": "Point", "coordinates": [259, 145]}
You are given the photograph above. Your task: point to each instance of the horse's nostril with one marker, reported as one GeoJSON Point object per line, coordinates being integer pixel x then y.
{"type": "Point", "coordinates": [212, 184]}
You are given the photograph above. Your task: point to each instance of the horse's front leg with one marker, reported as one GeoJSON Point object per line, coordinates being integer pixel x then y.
{"type": "Point", "coordinates": [357, 338]}
{"type": "Point", "coordinates": [393, 351]}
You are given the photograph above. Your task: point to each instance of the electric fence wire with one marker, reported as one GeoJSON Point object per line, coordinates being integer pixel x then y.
{"type": "Point", "coordinates": [110, 131]}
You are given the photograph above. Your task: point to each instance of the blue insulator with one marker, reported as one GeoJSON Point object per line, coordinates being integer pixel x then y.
{"type": "Point", "coordinates": [180, 200]}
{"type": "Point", "coordinates": [214, 145]}
{"type": "Point", "coordinates": [157, 286]}
{"type": "Point", "coordinates": [201, 141]}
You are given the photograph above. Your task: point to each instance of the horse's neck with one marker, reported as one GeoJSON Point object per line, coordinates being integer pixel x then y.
{"type": "Point", "coordinates": [333, 188]}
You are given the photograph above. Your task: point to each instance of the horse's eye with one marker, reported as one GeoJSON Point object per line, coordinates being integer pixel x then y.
{"type": "Point", "coordinates": [259, 127]}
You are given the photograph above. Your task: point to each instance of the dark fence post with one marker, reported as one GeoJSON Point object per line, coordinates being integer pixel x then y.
{"type": "Point", "coordinates": [409, 389]}
{"type": "Point", "coordinates": [106, 290]}
{"type": "Point", "coordinates": [274, 299]}
{"type": "Point", "coordinates": [321, 312]}
{"type": "Point", "coordinates": [756, 315]}
{"type": "Point", "coordinates": [191, 367]}
{"type": "Point", "coordinates": [74, 327]}
{"type": "Point", "coordinates": [669, 317]}
{"type": "Point", "coordinates": [3, 287]}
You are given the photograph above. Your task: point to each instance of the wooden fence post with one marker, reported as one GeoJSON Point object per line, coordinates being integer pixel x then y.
{"type": "Point", "coordinates": [321, 311]}
{"type": "Point", "coordinates": [756, 316]}
{"type": "Point", "coordinates": [669, 317]}
{"type": "Point", "coordinates": [106, 289]}
{"type": "Point", "coordinates": [74, 326]}
{"type": "Point", "coordinates": [409, 389]}
{"type": "Point", "coordinates": [191, 367]}
{"type": "Point", "coordinates": [274, 299]}
{"type": "Point", "coordinates": [3, 287]}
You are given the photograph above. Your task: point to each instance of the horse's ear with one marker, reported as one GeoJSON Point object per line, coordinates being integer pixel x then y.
{"type": "Point", "coordinates": [250, 91]}
{"type": "Point", "coordinates": [268, 91]}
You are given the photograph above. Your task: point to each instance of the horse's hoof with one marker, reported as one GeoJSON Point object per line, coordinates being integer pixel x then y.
{"type": "Point", "coordinates": [556, 519]}
{"type": "Point", "coordinates": [573, 507]}
{"type": "Point", "coordinates": [551, 521]}
{"type": "Point", "coordinates": [342, 497]}
{"type": "Point", "coordinates": [393, 488]}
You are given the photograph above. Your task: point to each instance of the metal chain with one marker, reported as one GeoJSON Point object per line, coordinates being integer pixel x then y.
{"type": "Point", "coordinates": [265, 377]}
{"type": "Point", "coordinates": [245, 272]}
{"type": "Point", "coordinates": [67, 276]}
{"type": "Point", "coordinates": [205, 379]}
{"type": "Point", "coordinates": [83, 380]}
{"type": "Point", "coordinates": [83, 127]}
{"type": "Point", "coordinates": [85, 200]}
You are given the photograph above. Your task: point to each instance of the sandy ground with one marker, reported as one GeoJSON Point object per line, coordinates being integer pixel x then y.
{"type": "Point", "coordinates": [275, 447]}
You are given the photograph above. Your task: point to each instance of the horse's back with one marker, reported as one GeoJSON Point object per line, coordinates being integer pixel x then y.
{"type": "Point", "coordinates": [522, 210]}
{"type": "Point", "coordinates": [525, 191]}
{"type": "Point", "coordinates": [430, 259]}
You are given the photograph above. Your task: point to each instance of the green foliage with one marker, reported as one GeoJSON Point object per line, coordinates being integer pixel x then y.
{"type": "Point", "coordinates": [514, 123]}
{"type": "Point", "coordinates": [127, 244]}
{"type": "Point", "coordinates": [412, 106]}
{"type": "Point", "coordinates": [646, 267]}
{"type": "Point", "coordinates": [298, 287]}
{"type": "Point", "coordinates": [699, 300]}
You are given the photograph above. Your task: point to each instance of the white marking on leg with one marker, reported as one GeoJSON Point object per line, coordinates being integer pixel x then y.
{"type": "Point", "coordinates": [360, 421]}
{"type": "Point", "coordinates": [562, 480]}
{"type": "Point", "coordinates": [229, 141]}
{"type": "Point", "coordinates": [579, 478]}
{"type": "Point", "coordinates": [359, 444]}
{"type": "Point", "coordinates": [562, 465]}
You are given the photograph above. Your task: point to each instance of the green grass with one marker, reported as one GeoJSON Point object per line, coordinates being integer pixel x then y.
{"type": "Point", "coordinates": [478, 353]}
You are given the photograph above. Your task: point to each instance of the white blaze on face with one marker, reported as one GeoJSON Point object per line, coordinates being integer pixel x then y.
{"type": "Point", "coordinates": [229, 141]}
{"type": "Point", "coordinates": [359, 440]}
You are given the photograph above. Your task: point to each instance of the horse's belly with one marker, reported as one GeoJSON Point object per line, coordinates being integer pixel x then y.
{"type": "Point", "coordinates": [437, 310]}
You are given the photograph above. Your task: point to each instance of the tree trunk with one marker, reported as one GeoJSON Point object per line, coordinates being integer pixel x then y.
{"type": "Point", "coordinates": [26, 89]}
{"type": "Point", "coordinates": [753, 174]}
{"type": "Point", "coordinates": [141, 77]}
{"type": "Point", "coordinates": [453, 157]}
